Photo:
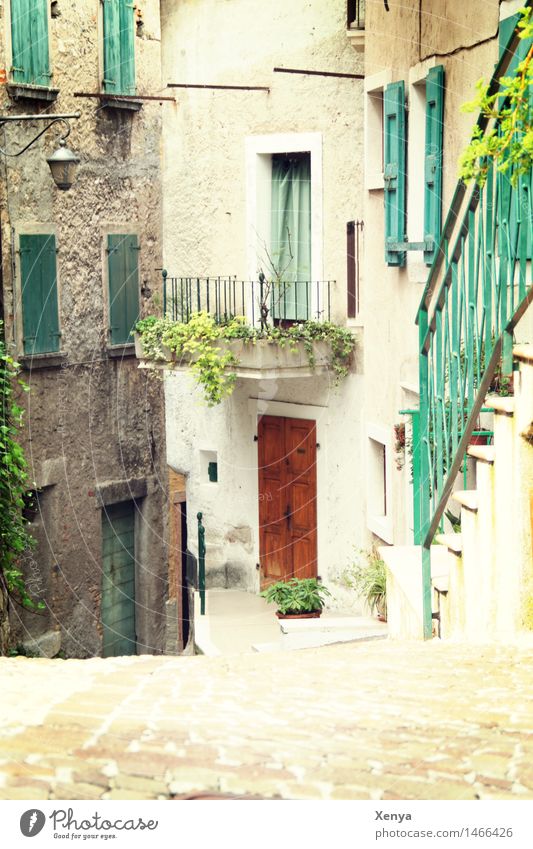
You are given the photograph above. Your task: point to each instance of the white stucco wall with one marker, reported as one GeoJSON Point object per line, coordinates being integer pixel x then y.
{"type": "Point", "coordinates": [212, 188]}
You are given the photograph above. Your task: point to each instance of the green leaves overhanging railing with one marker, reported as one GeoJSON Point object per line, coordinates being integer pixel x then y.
{"type": "Point", "coordinates": [478, 288]}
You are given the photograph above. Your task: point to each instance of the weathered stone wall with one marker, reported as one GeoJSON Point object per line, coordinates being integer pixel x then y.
{"type": "Point", "coordinates": [94, 418]}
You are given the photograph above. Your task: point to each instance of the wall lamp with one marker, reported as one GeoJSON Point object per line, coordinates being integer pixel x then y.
{"type": "Point", "coordinates": [63, 162]}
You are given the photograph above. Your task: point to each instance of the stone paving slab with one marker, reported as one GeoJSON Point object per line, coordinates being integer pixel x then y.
{"type": "Point", "coordinates": [378, 720]}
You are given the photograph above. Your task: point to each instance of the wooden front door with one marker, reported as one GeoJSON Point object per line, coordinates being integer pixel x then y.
{"type": "Point", "coordinates": [287, 499]}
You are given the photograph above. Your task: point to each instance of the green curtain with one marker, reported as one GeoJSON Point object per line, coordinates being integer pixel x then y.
{"type": "Point", "coordinates": [291, 237]}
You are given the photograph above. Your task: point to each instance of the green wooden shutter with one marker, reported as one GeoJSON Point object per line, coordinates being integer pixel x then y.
{"type": "Point", "coordinates": [118, 580]}
{"type": "Point", "coordinates": [20, 41]}
{"type": "Point", "coordinates": [123, 267]}
{"type": "Point", "coordinates": [40, 60]}
{"type": "Point", "coordinates": [119, 47]}
{"type": "Point", "coordinates": [40, 320]}
{"type": "Point", "coordinates": [433, 159]}
{"type": "Point", "coordinates": [111, 46]}
{"type": "Point", "coordinates": [394, 170]}
{"type": "Point", "coordinates": [127, 47]}
{"type": "Point", "coordinates": [507, 27]}
{"type": "Point", "coordinates": [29, 40]}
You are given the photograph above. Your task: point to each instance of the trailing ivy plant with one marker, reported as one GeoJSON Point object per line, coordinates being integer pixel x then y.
{"type": "Point", "coordinates": [201, 340]}
{"type": "Point", "coordinates": [509, 143]}
{"type": "Point", "coordinates": [14, 536]}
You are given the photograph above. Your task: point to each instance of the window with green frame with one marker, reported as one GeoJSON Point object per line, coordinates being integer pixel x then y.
{"type": "Point", "coordinates": [119, 47]}
{"type": "Point", "coordinates": [38, 270]}
{"type": "Point", "coordinates": [123, 275]}
{"type": "Point", "coordinates": [29, 42]}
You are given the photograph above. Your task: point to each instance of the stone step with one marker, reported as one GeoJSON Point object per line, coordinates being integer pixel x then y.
{"type": "Point", "coordinates": [523, 353]}
{"type": "Point", "coordinates": [453, 542]}
{"type": "Point", "coordinates": [482, 452]}
{"type": "Point", "coordinates": [501, 404]}
{"type": "Point", "coordinates": [467, 498]}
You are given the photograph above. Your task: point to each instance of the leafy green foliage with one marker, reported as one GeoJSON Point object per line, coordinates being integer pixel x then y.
{"type": "Point", "coordinates": [14, 537]}
{"type": "Point", "coordinates": [368, 577]}
{"type": "Point", "coordinates": [201, 341]}
{"type": "Point", "coordinates": [509, 141]}
{"type": "Point", "coordinates": [298, 595]}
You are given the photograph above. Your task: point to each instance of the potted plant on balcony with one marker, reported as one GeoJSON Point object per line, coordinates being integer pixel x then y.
{"type": "Point", "coordinates": [298, 598]}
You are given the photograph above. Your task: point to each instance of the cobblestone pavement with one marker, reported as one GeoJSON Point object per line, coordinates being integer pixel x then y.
{"type": "Point", "coordinates": [362, 721]}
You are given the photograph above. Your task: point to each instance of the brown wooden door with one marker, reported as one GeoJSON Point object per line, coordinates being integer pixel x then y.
{"type": "Point", "coordinates": [287, 498]}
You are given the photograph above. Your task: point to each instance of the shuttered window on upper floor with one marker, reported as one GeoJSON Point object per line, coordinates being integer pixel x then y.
{"type": "Point", "coordinates": [123, 275]}
{"type": "Point", "coordinates": [119, 47]}
{"type": "Point", "coordinates": [429, 143]}
{"type": "Point", "coordinates": [30, 58]}
{"type": "Point", "coordinates": [394, 139]}
{"type": "Point", "coordinates": [40, 320]}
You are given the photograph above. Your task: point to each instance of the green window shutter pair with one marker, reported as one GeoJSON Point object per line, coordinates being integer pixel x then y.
{"type": "Point", "coordinates": [29, 39]}
{"type": "Point", "coordinates": [119, 47]}
{"type": "Point", "coordinates": [123, 272]}
{"type": "Point", "coordinates": [40, 321]}
{"type": "Point", "coordinates": [394, 117]}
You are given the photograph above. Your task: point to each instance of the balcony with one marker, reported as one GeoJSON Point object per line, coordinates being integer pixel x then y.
{"type": "Point", "coordinates": [222, 329]}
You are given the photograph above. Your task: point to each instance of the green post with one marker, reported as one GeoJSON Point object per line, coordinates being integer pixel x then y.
{"type": "Point", "coordinates": [201, 563]}
{"type": "Point", "coordinates": [164, 273]}
{"type": "Point", "coordinates": [425, 486]}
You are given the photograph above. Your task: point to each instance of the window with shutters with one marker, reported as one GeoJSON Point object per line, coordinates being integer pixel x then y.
{"type": "Point", "coordinates": [413, 221]}
{"type": "Point", "coordinates": [30, 60]}
{"type": "Point", "coordinates": [119, 47]}
{"type": "Point", "coordinates": [38, 271]}
{"type": "Point", "coordinates": [123, 282]}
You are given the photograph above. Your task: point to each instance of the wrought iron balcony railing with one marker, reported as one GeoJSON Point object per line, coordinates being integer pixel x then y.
{"type": "Point", "coordinates": [260, 301]}
{"type": "Point", "coordinates": [479, 287]}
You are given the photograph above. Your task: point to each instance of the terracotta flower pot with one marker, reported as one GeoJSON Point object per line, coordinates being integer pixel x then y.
{"type": "Point", "coordinates": [314, 615]}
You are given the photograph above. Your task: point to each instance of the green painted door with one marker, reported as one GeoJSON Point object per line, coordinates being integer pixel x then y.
{"type": "Point", "coordinates": [118, 579]}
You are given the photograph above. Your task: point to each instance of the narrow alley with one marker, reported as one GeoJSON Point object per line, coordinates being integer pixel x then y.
{"type": "Point", "coordinates": [376, 720]}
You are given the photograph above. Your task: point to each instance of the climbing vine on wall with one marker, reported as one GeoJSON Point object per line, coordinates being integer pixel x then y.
{"type": "Point", "coordinates": [14, 536]}
{"type": "Point", "coordinates": [509, 142]}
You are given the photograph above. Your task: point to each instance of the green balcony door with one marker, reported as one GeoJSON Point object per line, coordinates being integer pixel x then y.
{"type": "Point", "coordinates": [118, 579]}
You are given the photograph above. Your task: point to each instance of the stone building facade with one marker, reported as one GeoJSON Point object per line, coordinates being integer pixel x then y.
{"type": "Point", "coordinates": [78, 267]}
{"type": "Point", "coordinates": [221, 146]}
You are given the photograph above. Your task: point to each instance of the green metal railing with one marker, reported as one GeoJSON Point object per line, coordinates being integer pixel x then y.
{"type": "Point", "coordinates": [478, 288]}
{"type": "Point", "coordinates": [201, 563]}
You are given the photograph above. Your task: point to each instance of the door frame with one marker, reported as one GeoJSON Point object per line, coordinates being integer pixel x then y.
{"type": "Point", "coordinates": [320, 414]}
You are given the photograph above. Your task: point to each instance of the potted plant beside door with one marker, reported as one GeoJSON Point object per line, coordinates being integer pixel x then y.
{"type": "Point", "coordinates": [298, 598]}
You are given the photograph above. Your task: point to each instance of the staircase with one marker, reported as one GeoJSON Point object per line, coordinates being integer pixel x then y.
{"type": "Point", "coordinates": [476, 303]}
{"type": "Point", "coordinates": [482, 577]}
{"type": "Point", "coordinates": [490, 582]}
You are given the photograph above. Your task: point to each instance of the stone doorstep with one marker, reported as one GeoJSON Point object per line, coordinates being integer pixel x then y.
{"type": "Point", "coordinates": [327, 624]}
{"type": "Point", "coordinates": [307, 640]}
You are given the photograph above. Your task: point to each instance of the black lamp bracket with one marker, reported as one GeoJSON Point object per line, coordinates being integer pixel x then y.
{"type": "Point", "coordinates": [52, 119]}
